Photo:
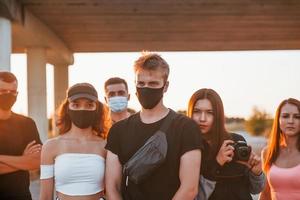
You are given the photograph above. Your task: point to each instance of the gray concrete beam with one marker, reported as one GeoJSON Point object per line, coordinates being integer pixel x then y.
{"type": "Point", "coordinates": [33, 32]}
{"type": "Point", "coordinates": [28, 30]}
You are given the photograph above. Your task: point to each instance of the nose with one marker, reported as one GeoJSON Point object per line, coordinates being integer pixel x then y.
{"type": "Point", "coordinates": [290, 119]}
{"type": "Point", "coordinates": [202, 117]}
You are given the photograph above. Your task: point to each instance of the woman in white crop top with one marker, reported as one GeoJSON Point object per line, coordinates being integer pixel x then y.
{"type": "Point", "coordinates": [73, 164]}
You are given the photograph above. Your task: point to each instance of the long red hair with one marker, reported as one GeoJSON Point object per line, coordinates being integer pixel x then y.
{"type": "Point", "coordinates": [276, 137]}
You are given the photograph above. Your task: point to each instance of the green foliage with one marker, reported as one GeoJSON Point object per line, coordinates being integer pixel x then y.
{"type": "Point", "coordinates": [259, 122]}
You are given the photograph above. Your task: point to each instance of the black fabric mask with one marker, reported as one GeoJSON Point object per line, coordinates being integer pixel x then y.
{"type": "Point", "coordinates": [82, 118]}
{"type": "Point", "coordinates": [149, 97]}
{"type": "Point", "coordinates": [7, 101]}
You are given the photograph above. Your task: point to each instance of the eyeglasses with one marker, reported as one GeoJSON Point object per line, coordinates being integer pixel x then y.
{"type": "Point", "coordinates": [4, 91]}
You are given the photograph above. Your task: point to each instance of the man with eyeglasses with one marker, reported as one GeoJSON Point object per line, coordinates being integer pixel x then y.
{"type": "Point", "coordinates": [20, 144]}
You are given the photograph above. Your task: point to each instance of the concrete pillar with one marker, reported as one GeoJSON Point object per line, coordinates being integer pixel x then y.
{"type": "Point", "coordinates": [61, 82]}
{"type": "Point", "coordinates": [5, 43]}
{"type": "Point", "coordinates": [37, 90]}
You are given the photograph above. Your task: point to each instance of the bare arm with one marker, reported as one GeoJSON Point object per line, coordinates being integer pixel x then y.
{"type": "Point", "coordinates": [47, 185]}
{"type": "Point", "coordinates": [189, 172]}
{"type": "Point", "coordinates": [5, 169]}
{"type": "Point", "coordinates": [113, 176]}
{"type": "Point", "coordinates": [30, 160]}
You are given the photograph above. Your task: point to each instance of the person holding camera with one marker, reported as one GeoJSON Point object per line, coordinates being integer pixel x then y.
{"type": "Point", "coordinates": [281, 158]}
{"type": "Point", "coordinates": [227, 161]}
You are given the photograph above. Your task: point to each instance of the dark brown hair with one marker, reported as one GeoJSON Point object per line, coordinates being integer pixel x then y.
{"type": "Point", "coordinates": [218, 132]}
{"type": "Point", "coordinates": [115, 80]}
{"type": "Point", "coordinates": [7, 77]}
{"type": "Point", "coordinates": [276, 137]}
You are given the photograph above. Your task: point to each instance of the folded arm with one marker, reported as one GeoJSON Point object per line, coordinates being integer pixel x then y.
{"type": "Point", "coordinates": [30, 159]}
{"type": "Point", "coordinates": [24, 162]}
{"type": "Point", "coordinates": [4, 168]}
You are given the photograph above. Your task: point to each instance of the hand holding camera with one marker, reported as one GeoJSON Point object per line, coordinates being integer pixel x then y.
{"type": "Point", "coordinates": [241, 151]}
{"type": "Point", "coordinates": [225, 153]}
{"type": "Point", "coordinates": [254, 163]}
{"type": "Point", "coordinates": [243, 154]}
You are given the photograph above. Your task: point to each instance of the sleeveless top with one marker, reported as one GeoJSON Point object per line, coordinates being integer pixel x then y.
{"type": "Point", "coordinates": [79, 174]}
{"type": "Point", "coordinates": [284, 182]}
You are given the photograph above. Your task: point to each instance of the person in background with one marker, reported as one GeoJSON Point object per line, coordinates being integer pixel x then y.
{"type": "Point", "coordinates": [177, 178]}
{"type": "Point", "coordinates": [234, 179]}
{"type": "Point", "coordinates": [281, 158]}
{"type": "Point", "coordinates": [20, 144]}
{"type": "Point", "coordinates": [117, 97]}
{"type": "Point", "coordinates": [74, 162]}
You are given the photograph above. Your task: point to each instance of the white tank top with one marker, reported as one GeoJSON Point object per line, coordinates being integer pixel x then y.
{"type": "Point", "coordinates": [79, 174]}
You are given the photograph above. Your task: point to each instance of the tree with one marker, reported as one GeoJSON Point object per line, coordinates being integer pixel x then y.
{"type": "Point", "coordinates": [259, 122]}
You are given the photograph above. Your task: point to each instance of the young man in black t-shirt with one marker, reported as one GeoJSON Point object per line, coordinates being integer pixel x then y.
{"type": "Point", "coordinates": [20, 144]}
{"type": "Point", "coordinates": [177, 178]}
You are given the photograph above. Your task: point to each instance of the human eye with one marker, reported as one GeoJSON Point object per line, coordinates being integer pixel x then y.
{"type": "Point", "coordinates": [121, 93]}
{"type": "Point", "coordinates": [140, 84]}
{"type": "Point", "coordinates": [196, 110]}
{"type": "Point", "coordinates": [90, 105]}
{"type": "Point", "coordinates": [297, 116]}
{"type": "Point", "coordinates": [154, 84]}
{"type": "Point", "coordinates": [74, 105]}
{"type": "Point", "coordinates": [210, 112]}
{"type": "Point", "coordinates": [285, 115]}
{"type": "Point", "coordinates": [111, 94]}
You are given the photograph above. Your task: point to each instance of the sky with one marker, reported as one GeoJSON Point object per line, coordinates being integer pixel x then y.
{"type": "Point", "coordinates": [243, 79]}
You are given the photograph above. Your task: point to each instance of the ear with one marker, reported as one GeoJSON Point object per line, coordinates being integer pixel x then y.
{"type": "Point", "coordinates": [166, 86]}
{"type": "Point", "coordinates": [128, 97]}
{"type": "Point", "coordinates": [106, 100]}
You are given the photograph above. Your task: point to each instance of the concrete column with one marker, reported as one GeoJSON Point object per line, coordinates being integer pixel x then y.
{"type": "Point", "coordinates": [61, 82]}
{"type": "Point", "coordinates": [37, 90]}
{"type": "Point", "coordinates": [5, 43]}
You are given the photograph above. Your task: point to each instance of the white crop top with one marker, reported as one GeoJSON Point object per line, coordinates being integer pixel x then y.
{"type": "Point", "coordinates": [77, 174]}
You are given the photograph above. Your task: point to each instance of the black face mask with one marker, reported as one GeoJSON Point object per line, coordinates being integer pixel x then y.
{"type": "Point", "coordinates": [7, 101]}
{"type": "Point", "coordinates": [82, 118]}
{"type": "Point", "coordinates": [149, 97]}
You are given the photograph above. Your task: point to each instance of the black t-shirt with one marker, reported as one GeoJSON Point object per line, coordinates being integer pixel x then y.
{"type": "Point", "coordinates": [127, 136]}
{"type": "Point", "coordinates": [15, 133]}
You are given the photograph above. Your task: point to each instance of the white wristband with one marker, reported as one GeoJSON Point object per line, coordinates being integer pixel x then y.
{"type": "Point", "coordinates": [47, 171]}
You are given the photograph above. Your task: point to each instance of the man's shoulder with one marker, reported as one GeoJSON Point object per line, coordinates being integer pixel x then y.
{"type": "Point", "coordinates": [183, 120]}
{"type": "Point", "coordinates": [22, 118]}
{"type": "Point", "coordinates": [124, 122]}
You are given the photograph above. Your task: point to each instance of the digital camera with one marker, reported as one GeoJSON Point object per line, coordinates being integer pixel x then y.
{"type": "Point", "coordinates": [241, 151]}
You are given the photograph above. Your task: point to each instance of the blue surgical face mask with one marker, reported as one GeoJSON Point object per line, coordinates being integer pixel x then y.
{"type": "Point", "coordinates": [117, 103]}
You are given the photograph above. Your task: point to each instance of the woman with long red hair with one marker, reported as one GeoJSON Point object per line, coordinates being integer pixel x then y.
{"type": "Point", "coordinates": [281, 158]}
{"type": "Point", "coordinates": [73, 164]}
